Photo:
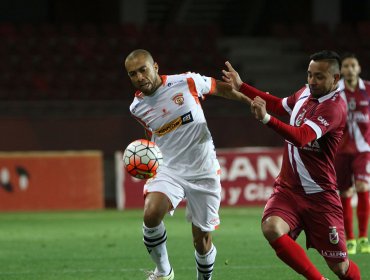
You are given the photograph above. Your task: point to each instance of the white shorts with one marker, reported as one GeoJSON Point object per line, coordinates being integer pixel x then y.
{"type": "Point", "coordinates": [203, 197]}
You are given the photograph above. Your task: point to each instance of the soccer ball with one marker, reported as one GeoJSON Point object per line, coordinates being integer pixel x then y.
{"type": "Point", "coordinates": [142, 159]}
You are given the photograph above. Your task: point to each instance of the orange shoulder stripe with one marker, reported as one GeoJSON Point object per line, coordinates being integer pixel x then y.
{"type": "Point", "coordinates": [164, 79]}
{"type": "Point", "coordinates": [213, 86]}
{"type": "Point", "coordinates": [193, 89]}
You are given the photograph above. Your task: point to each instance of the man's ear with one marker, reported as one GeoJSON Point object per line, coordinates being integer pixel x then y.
{"type": "Point", "coordinates": [336, 78]}
{"type": "Point", "coordinates": [156, 67]}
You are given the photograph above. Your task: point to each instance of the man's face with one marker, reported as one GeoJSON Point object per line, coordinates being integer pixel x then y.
{"type": "Point", "coordinates": [350, 69]}
{"type": "Point", "coordinates": [143, 74]}
{"type": "Point", "coordinates": [321, 78]}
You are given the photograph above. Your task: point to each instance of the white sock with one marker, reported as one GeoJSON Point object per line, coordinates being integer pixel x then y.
{"type": "Point", "coordinates": [155, 242]}
{"type": "Point", "coordinates": [205, 264]}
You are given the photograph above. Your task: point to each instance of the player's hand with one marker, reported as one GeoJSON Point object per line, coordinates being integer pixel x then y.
{"type": "Point", "coordinates": [231, 76]}
{"type": "Point", "coordinates": [258, 108]}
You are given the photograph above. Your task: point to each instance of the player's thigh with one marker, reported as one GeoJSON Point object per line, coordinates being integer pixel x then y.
{"type": "Point", "coordinates": [344, 171]}
{"type": "Point", "coordinates": [203, 203]}
{"type": "Point", "coordinates": [169, 186]}
{"type": "Point", "coordinates": [283, 204]}
{"type": "Point", "coordinates": [324, 227]}
{"type": "Point", "coordinates": [361, 170]}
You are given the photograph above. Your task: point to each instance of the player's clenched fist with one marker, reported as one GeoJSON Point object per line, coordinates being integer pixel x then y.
{"type": "Point", "coordinates": [258, 108]}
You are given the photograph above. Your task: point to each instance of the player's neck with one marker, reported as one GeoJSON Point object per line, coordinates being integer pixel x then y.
{"type": "Point", "coordinates": [351, 84]}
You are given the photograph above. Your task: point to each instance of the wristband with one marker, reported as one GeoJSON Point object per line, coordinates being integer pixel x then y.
{"type": "Point", "coordinates": [266, 118]}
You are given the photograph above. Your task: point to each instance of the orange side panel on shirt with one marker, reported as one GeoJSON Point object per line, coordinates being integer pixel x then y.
{"type": "Point", "coordinates": [193, 89]}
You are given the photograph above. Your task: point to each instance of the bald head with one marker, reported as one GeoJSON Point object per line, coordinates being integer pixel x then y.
{"type": "Point", "coordinates": [140, 53]}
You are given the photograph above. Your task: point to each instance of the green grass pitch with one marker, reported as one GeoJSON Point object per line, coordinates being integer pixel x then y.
{"type": "Point", "coordinates": [108, 245]}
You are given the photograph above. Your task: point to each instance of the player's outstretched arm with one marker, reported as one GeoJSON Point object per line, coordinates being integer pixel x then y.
{"type": "Point", "coordinates": [231, 76]}
{"type": "Point", "coordinates": [273, 103]}
{"type": "Point", "coordinates": [298, 136]}
{"type": "Point", "coordinates": [225, 90]}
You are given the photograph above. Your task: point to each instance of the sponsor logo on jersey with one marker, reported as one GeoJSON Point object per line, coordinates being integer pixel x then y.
{"type": "Point", "coordinates": [313, 146]}
{"type": "Point", "coordinates": [333, 254]}
{"type": "Point", "coordinates": [358, 117]}
{"type": "Point", "coordinates": [188, 117]}
{"type": "Point", "coordinates": [333, 235]}
{"type": "Point", "coordinates": [174, 124]}
{"type": "Point", "coordinates": [178, 99]}
{"type": "Point", "coordinates": [147, 112]}
{"type": "Point", "coordinates": [170, 84]}
{"type": "Point", "coordinates": [134, 109]}
{"type": "Point", "coordinates": [322, 121]}
{"type": "Point", "coordinates": [214, 221]}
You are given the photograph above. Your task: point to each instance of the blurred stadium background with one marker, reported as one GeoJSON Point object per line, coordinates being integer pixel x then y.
{"type": "Point", "coordinates": [64, 93]}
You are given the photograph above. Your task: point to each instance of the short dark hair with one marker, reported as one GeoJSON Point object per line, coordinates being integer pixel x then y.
{"type": "Point", "coordinates": [348, 55]}
{"type": "Point", "coordinates": [331, 56]}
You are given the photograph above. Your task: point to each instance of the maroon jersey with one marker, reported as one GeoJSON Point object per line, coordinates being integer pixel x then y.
{"type": "Point", "coordinates": [356, 137]}
{"type": "Point", "coordinates": [311, 168]}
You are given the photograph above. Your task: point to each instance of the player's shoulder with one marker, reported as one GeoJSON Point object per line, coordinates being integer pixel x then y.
{"type": "Point", "coordinates": [188, 74]}
{"type": "Point", "coordinates": [170, 80]}
{"type": "Point", "coordinates": [337, 102]}
{"type": "Point", "coordinates": [367, 85]}
{"type": "Point", "coordinates": [183, 77]}
{"type": "Point", "coordinates": [138, 98]}
{"type": "Point", "coordinates": [303, 92]}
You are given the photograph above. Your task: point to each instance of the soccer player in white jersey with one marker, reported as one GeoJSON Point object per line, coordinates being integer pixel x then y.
{"type": "Point", "coordinates": [169, 109]}
{"type": "Point", "coordinates": [353, 159]}
{"type": "Point", "coordinates": [305, 197]}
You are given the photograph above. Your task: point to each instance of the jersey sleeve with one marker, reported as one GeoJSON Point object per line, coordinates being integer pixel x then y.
{"type": "Point", "coordinates": [289, 102]}
{"type": "Point", "coordinates": [299, 136]}
{"type": "Point", "coordinates": [327, 117]}
{"type": "Point", "coordinates": [204, 85]}
{"type": "Point", "coordinates": [273, 103]}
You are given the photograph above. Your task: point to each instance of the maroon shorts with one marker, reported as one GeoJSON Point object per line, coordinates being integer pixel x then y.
{"type": "Point", "coordinates": [319, 215]}
{"type": "Point", "coordinates": [350, 167]}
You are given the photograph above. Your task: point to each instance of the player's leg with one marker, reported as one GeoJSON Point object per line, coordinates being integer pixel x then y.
{"type": "Point", "coordinates": [163, 194]}
{"type": "Point", "coordinates": [361, 167]}
{"type": "Point", "coordinates": [280, 226]}
{"type": "Point", "coordinates": [203, 202]}
{"type": "Point", "coordinates": [346, 199]}
{"type": "Point", "coordinates": [155, 236]}
{"type": "Point", "coordinates": [205, 253]}
{"type": "Point", "coordinates": [346, 270]}
{"type": "Point", "coordinates": [344, 170]}
{"type": "Point", "coordinates": [323, 213]}
{"type": "Point", "coordinates": [362, 189]}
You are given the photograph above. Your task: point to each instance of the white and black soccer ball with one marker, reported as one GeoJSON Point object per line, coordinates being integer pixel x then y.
{"type": "Point", "coordinates": [142, 159]}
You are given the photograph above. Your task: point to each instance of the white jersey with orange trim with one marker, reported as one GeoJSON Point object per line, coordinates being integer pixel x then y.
{"type": "Point", "coordinates": [174, 118]}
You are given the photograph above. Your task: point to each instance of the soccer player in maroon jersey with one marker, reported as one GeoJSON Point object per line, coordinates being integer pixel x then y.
{"type": "Point", "coordinates": [305, 197]}
{"type": "Point", "coordinates": [352, 162]}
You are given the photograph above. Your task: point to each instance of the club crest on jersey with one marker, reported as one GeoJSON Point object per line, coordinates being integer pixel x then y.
{"type": "Point", "coordinates": [352, 104]}
{"type": "Point", "coordinates": [299, 119]}
{"type": "Point", "coordinates": [178, 99]}
{"type": "Point", "coordinates": [333, 235]}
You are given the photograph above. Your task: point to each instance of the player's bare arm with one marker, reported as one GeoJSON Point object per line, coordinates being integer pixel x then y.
{"type": "Point", "coordinates": [225, 90]}
{"type": "Point", "coordinates": [231, 76]}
